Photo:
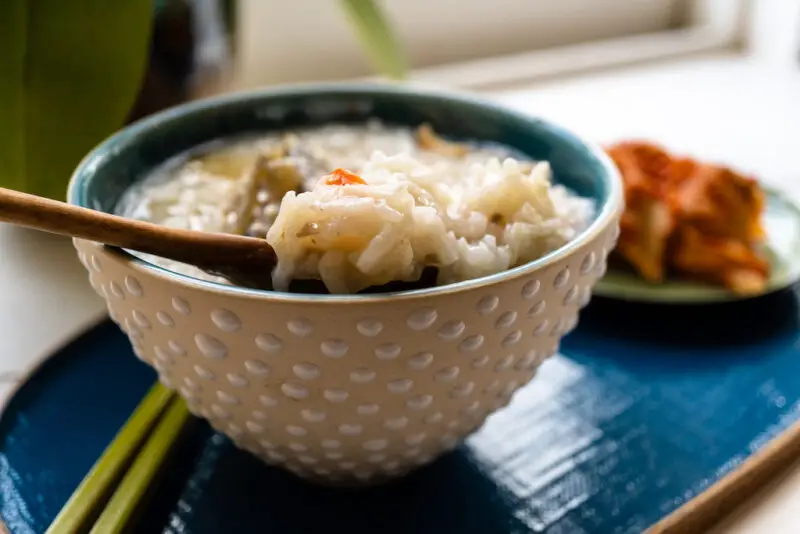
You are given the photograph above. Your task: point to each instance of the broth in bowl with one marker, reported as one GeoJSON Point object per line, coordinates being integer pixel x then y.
{"type": "Point", "coordinates": [359, 207]}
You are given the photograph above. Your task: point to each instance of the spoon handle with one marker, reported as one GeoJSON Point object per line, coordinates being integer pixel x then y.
{"type": "Point", "coordinates": [205, 250]}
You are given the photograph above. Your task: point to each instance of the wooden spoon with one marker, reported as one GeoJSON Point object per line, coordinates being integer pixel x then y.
{"type": "Point", "coordinates": [245, 261]}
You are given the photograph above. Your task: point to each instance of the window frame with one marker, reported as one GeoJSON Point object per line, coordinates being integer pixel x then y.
{"type": "Point", "coordinates": [700, 26]}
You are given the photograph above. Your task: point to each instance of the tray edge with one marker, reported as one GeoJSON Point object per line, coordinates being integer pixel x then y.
{"type": "Point", "coordinates": [718, 502]}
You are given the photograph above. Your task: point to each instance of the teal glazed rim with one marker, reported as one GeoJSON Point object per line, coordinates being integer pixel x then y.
{"type": "Point", "coordinates": [264, 103]}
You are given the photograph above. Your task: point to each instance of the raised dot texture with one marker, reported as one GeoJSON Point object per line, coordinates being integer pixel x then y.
{"type": "Point", "coordinates": [511, 339]}
{"type": "Point", "coordinates": [369, 327]}
{"type": "Point", "coordinates": [387, 351]}
{"type": "Point", "coordinates": [116, 291]}
{"type": "Point", "coordinates": [258, 414]}
{"type": "Point", "coordinates": [422, 319]}
{"type": "Point", "coordinates": [181, 306]}
{"type": "Point", "coordinates": [313, 416]}
{"type": "Point", "coordinates": [275, 456]}
{"type": "Point", "coordinates": [350, 429]}
{"type": "Point", "coordinates": [472, 407]}
{"type": "Point", "coordinates": [297, 431]}
{"type": "Point", "coordinates": [400, 385]}
{"type": "Point", "coordinates": [306, 371]}
{"type": "Point", "coordinates": [451, 330]}
{"type": "Point", "coordinates": [133, 286]}
{"type": "Point", "coordinates": [488, 304]}
{"type": "Point", "coordinates": [254, 427]}
{"type": "Point", "coordinates": [601, 268]}
{"type": "Point", "coordinates": [256, 367]}
{"type": "Point", "coordinates": [416, 439]}
{"type": "Point", "coordinates": [506, 320]}
{"type": "Point", "coordinates": [570, 324]}
{"type": "Point", "coordinates": [479, 362]}
{"type": "Point", "coordinates": [559, 327]}
{"type": "Point", "coordinates": [362, 376]}
{"type": "Point", "coordinates": [588, 263]}
{"type": "Point", "coordinates": [335, 395]}
{"type": "Point", "coordinates": [237, 380]}
{"type": "Point", "coordinates": [509, 388]}
{"type": "Point", "coordinates": [504, 363]}
{"type": "Point", "coordinates": [571, 297]}
{"type": "Point", "coordinates": [300, 327]}
{"type": "Point", "coordinates": [227, 398]}
{"type": "Point", "coordinates": [492, 388]}
{"type": "Point", "coordinates": [334, 348]}
{"type": "Point", "coordinates": [204, 373]}
{"type": "Point", "coordinates": [268, 343]}
{"type": "Point", "coordinates": [163, 356]}
{"type": "Point", "coordinates": [540, 328]}
{"type": "Point", "coordinates": [448, 441]}
{"type": "Point", "coordinates": [462, 390]}
{"type": "Point", "coordinates": [165, 319]}
{"type": "Point", "coordinates": [226, 320]}
{"type": "Point", "coordinates": [298, 447]}
{"type": "Point", "coordinates": [176, 348]}
{"type": "Point", "coordinates": [530, 289]}
{"type": "Point", "coordinates": [219, 411]}
{"type": "Point", "coordinates": [131, 329]}
{"type": "Point", "coordinates": [191, 384]}
{"type": "Point", "coordinates": [448, 374]}
{"type": "Point", "coordinates": [141, 320]}
{"type": "Point", "coordinates": [375, 444]}
{"type": "Point", "coordinates": [396, 423]}
{"type": "Point", "coordinates": [419, 402]}
{"type": "Point", "coordinates": [210, 347]}
{"type": "Point", "coordinates": [586, 297]}
{"type": "Point", "coordinates": [334, 455]}
{"type": "Point", "coordinates": [331, 443]}
{"type": "Point", "coordinates": [268, 400]}
{"type": "Point", "coordinates": [391, 465]}
{"type": "Point", "coordinates": [528, 361]}
{"type": "Point", "coordinates": [294, 391]}
{"type": "Point", "coordinates": [420, 360]}
{"type": "Point", "coordinates": [266, 444]}
{"type": "Point", "coordinates": [471, 343]}
{"type": "Point", "coordinates": [537, 309]}
{"type": "Point", "coordinates": [367, 409]}
{"type": "Point", "coordinates": [434, 418]}
{"type": "Point", "coordinates": [561, 279]}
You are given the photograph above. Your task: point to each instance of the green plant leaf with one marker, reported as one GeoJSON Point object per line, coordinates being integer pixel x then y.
{"type": "Point", "coordinates": [377, 37]}
{"type": "Point", "coordinates": [71, 71]}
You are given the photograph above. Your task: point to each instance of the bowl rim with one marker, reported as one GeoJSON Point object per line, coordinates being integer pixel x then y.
{"type": "Point", "coordinates": [610, 210]}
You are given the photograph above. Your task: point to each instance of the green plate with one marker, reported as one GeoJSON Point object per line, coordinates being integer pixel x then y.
{"type": "Point", "coordinates": [782, 223]}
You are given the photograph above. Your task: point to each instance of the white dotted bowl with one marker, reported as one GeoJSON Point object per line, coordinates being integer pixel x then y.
{"type": "Point", "coordinates": [346, 388]}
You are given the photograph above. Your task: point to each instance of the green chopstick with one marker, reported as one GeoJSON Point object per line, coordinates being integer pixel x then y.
{"type": "Point", "coordinates": [129, 495]}
{"type": "Point", "coordinates": [377, 37]}
{"type": "Point", "coordinates": [92, 493]}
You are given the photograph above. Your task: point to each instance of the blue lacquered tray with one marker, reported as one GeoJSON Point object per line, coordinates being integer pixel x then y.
{"type": "Point", "coordinates": [646, 408]}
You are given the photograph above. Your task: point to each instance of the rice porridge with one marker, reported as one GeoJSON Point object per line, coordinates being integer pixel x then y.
{"type": "Point", "coordinates": [362, 206]}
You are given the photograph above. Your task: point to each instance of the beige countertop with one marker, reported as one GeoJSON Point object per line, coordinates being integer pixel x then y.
{"type": "Point", "coordinates": [744, 112]}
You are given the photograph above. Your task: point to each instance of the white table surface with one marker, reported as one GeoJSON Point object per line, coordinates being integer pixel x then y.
{"type": "Point", "coordinates": [742, 112]}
